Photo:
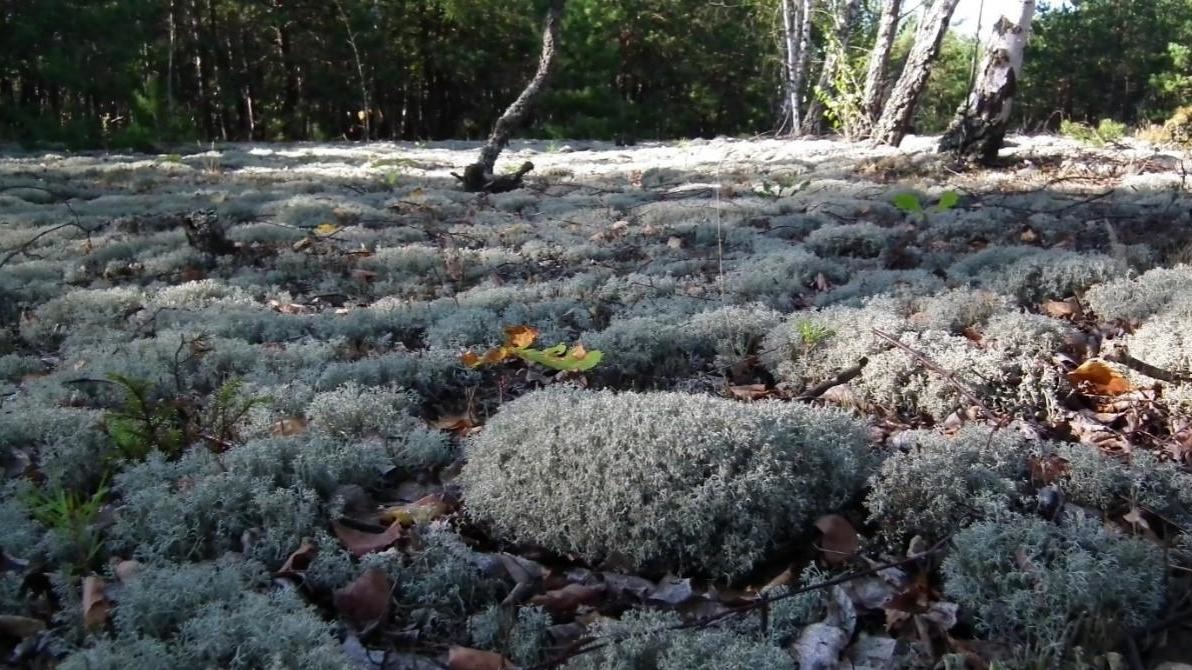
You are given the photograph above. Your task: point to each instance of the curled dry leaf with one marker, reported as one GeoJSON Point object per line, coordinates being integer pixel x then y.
{"type": "Point", "coordinates": [300, 560]}
{"type": "Point", "coordinates": [520, 337]}
{"type": "Point", "coordinates": [1063, 309]}
{"type": "Point", "coordinates": [424, 510]}
{"type": "Point", "coordinates": [459, 424]}
{"type": "Point", "coordinates": [749, 392]}
{"type": "Point", "coordinates": [1047, 469]}
{"type": "Point", "coordinates": [465, 658]}
{"type": "Point", "coordinates": [367, 599]}
{"type": "Point", "coordinates": [95, 603]}
{"type": "Point", "coordinates": [840, 541]}
{"type": "Point", "coordinates": [361, 543]}
{"type": "Point", "coordinates": [294, 425]}
{"type": "Point", "coordinates": [1100, 378]}
{"type": "Point", "coordinates": [126, 571]}
{"type": "Point", "coordinates": [569, 598]}
{"type": "Point", "coordinates": [672, 591]}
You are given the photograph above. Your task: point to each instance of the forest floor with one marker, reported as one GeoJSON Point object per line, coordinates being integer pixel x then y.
{"type": "Point", "coordinates": [234, 406]}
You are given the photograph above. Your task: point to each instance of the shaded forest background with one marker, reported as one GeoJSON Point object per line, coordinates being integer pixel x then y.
{"type": "Point", "coordinates": [181, 70]}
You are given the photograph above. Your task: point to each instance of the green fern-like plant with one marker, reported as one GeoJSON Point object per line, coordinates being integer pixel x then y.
{"type": "Point", "coordinates": [142, 425]}
{"type": "Point", "coordinates": [73, 515]}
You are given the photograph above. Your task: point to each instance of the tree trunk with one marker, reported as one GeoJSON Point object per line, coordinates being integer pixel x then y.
{"type": "Point", "coordinates": [846, 16]}
{"type": "Point", "coordinates": [479, 175]}
{"type": "Point", "coordinates": [980, 125]}
{"type": "Point", "coordinates": [896, 116]}
{"type": "Point", "coordinates": [804, 56]}
{"type": "Point", "coordinates": [796, 25]}
{"type": "Point", "coordinates": [790, 103]}
{"type": "Point", "coordinates": [879, 61]}
{"type": "Point", "coordinates": [364, 116]}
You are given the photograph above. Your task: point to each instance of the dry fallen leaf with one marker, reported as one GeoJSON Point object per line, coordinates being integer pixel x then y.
{"type": "Point", "coordinates": [366, 600]}
{"type": "Point", "coordinates": [126, 571]}
{"type": "Point", "coordinates": [300, 560]}
{"type": "Point", "coordinates": [1047, 469]}
{"type": "Point", "coordinates": [1062, 309]}
{"type": "Point", "coordinates": [840, 541]}
{"type": "Point", "coordinates": [1102, 378]}
{"type": "Point", "coordinates": [294, 425]}
{"type": "Point", "coordinates": [95, 603]}
{"type": "Point", "coordinates": [1135, 519]}
{"type": "Point", "coordinates": [520, 337]}
{"type": "Point", "coordinates": [464, 658]}
{"type": "Point", "coordinates": [459, 424]}
{"type": "Point", "coordinates": [749, 391]}
{"type": "Point", "coordinates": [672, 591]}
{"type": "Point", "coordinates": [360, 543]}
{"type": "Point", "coordinates": [569, 598]}
{"type": "Point", "coordinates": [424, 510]}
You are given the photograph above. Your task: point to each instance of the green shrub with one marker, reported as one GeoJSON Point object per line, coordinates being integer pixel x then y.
{"type": "Point", "coordinates": [1041, 586]}
{"type": "Point", "coordinates": [660, 480]}
{"type": "Point", "coordinates": [1107, 131]}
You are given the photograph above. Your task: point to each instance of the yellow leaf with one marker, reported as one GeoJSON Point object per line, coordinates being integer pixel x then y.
{"type": "Point", "coordinates": [1103, 379]}
{"type": "Point", "coordinates": [325, 229]}
{"type": "Point", "coordinates": [423, 510]}
{"type": "Point", "coordinates": [497, 355]}
{"type": "Point", "coordinates": [520, 337]}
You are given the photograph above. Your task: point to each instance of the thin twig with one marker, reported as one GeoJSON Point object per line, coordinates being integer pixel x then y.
{"type": "Point", "coordinates": [926, 362]}
{"type": "Point", "coordinates": [1119, 355]}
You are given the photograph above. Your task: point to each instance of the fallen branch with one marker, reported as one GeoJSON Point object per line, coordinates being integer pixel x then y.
{"type": "Point", "coordinates": [1119, 355]}
{"type": "Point", "coordinates": [844, 377]}
{"type": "Point", "coordinates": [926, 362]}
{"type": "Point", "coordinates": [28, 243]}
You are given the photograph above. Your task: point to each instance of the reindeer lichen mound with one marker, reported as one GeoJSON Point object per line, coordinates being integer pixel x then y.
{"type": "Point", "coordinates": [661, 481]}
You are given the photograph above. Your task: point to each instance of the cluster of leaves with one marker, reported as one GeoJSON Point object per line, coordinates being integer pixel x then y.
{"type": "Point", "coordinates": [517, 346]}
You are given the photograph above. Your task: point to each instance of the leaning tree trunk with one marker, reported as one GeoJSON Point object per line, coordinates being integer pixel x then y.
{"type": "Point", "coordinates": [479, 175]}
{"type": "Point", "coordinates": [900, 108]}
{"type": "Point", "coordinates": [980, 125]}
{"type": "Point", "coordinates": [846, 16]}
{"type": "Point", "coordinates": [879, 62]}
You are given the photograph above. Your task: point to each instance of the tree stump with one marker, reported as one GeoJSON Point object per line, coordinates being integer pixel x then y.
{"type": "Point", "coordinates": [979, 128]}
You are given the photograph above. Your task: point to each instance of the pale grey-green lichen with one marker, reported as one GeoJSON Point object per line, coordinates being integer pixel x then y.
{"type": "Point", "coordinates": [660, 480]}
{"type": "Point", "coordinates": [1042, 586]}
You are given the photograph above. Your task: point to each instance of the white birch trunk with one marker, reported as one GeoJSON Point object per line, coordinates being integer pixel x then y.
{"type": "Point", "coordinates": [800, 75]}
{"type": "Point", "coordinates": [791, 103]}
{"type": "Point", "coordinates": [980, 125]}
{"type": "Point", "coordinates": [900, 108]}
